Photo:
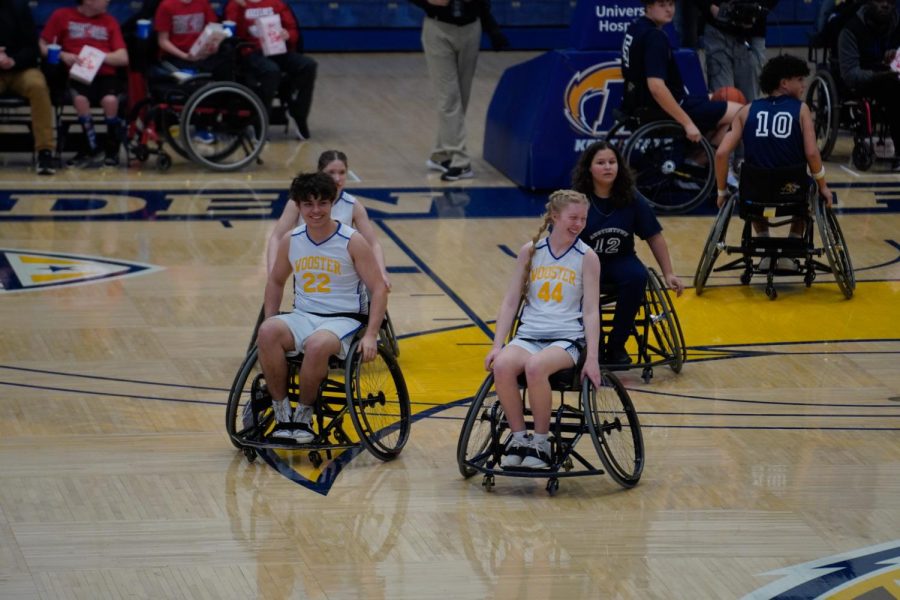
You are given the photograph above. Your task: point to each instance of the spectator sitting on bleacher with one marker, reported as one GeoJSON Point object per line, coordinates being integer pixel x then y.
{"type": "Point", "coordinates": [267, 70]}
{"type": "Point", "coordinates": [19, 73]}
{"type": "Point", "coordinates": [178, 24]}
{"type": "Point", "coordinates": [73, 28]}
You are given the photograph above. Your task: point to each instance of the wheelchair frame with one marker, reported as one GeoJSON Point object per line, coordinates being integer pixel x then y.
{"type": "Point", "coordinates": [352, 388]}
{"type": "Point", "coordinates": [657, 152]}
{"type": "Point", "coordinates": [193, 104]}
{"type": "Point", "coordinates": [606, 415]}
{"type": "Point", "coordinates": [657, 330]}
{"type": "Point", "coordinates": [834, 248]}
{"type": "Point", "coordinates": [829, 114]}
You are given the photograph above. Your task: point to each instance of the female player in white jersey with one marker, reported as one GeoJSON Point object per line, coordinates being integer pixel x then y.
{"type": "Point", "coordinates": [347, 209]}
{"type": "Point", "coordinates": [331, 262]}
{"type": "Point", "coordinates": [559, 277]}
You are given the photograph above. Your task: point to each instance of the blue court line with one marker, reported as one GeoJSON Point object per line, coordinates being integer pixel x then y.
{"type": "Point", "coordinates": [403, 269]}
{"type": "Point", "coordinates": [437, 280]}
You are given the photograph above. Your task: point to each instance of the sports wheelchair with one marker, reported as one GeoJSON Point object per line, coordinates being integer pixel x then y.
{"type": "Point", "coordinates": [605, 414]}
{"type": "Point", "coordinates": [221, 125]}
{"type": "Point", "coordinates": [835, 106]}
{"type": "Point", "coordinates": [371, 397]}
{"type": "Point", "coordinates": [770, 194]}
{"type": "Point", "coordinates": [657, 332]}
{"type": "Point", "coordinates": [674, 174]}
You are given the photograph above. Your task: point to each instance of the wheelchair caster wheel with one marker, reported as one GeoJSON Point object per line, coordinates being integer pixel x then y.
{"type": "Point", "coordinates": [315, 459]}
{"type": "Point", "coordinates": [771, 292]}
{"type": "Point", "coordinates": [488, 482]}
{"type": "Point", "coordinates": [163, 162]}
{"type": "Point", "coordinates": [567, 465]}
{"type": "Point", "coordinates": [745, 277]}
{"type": "Point", "coordinates": [809, 277]}
{"type": "Point", "coordinates": [249, 454]}
{"type": "Point", "coordinates": [863, 156]}
{"type": "Point", "coordinates": [142, 153]}
{"type": "Point", "coordinates": [647, 374]}
{"type": "Point", "coordinates": [552, 486]}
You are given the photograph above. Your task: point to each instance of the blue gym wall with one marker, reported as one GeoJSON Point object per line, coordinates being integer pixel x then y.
{"type": "Point", "coordinates": [393, 25]}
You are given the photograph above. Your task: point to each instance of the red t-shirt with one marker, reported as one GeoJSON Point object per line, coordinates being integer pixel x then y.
{"type": "Point", "coordinates": [244, 16]}
{"type": "Point", "coordinates": [184, 21]}
{"type": "Point", "coordinates": [72, 31]}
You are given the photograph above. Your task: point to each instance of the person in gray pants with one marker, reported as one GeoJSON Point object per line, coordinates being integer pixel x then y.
{"type": "Point", "coordinates": [451, 36]}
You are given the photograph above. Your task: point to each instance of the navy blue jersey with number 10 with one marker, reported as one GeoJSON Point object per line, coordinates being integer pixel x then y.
{"type": "Point", "coordinates": [772, 136]}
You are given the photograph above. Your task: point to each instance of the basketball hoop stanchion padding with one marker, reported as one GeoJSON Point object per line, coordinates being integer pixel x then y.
{"type": "Point", "coordinates": [545, 111]}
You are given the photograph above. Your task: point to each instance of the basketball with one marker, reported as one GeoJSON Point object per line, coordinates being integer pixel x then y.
{"type": "Point", "coordinates": [730, 94]}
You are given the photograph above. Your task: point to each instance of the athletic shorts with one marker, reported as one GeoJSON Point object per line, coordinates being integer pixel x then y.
{"type": "Point", "coordinates": [303, 325]}
{"type": "Point", "coordinates": [705, 113]}
{"type": "Point", "coordinates": [103, 85]}
{"type": "Point", "coordinates": [535, 346]}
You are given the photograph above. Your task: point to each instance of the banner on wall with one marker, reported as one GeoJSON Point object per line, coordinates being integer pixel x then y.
{"type": "Point", "coordinates": [545, 111]}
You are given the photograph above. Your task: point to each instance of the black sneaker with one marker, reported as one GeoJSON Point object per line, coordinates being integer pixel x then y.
{"type": "Point", "coordinates": [45, 163]}
{"type": "Point", "coordinates": [85, 160]}
{"type": "Point", "coordinates": [457, 173]}
{"type": "Point", "coordinates": [617, 359]}
{"type": "Point", "coordinates": [111, 160]}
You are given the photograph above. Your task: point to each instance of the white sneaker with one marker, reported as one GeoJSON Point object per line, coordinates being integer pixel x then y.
{"type": "Point", "coordinates": [785, 264]}
{"type": "Point", "coordinates": [538, 455]}
{"type": "Point", "coordinates": [438, 166]}
{"type": "Point", "coordinates": [514, 453]}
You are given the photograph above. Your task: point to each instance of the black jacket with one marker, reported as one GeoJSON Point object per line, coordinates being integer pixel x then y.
{"type": "Point", "coordinates": [18, 34]}
{"type": "Point", "coordinates": [467, 11]}
{"type": "Point", "coordinates": [757, 30]}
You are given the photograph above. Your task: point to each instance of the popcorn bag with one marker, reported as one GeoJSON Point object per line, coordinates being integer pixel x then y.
{"type": "Point", "coordinates": [895, 64]}
{"type": "Point", "coordinates": [91, 60]}
{"type": "Point", "coordinates": [208, 42]}
{"type": "Point", "coordinates": [269, 28]}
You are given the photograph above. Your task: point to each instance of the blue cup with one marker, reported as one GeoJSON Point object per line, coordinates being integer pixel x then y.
{"type": "Point", "coordinates": [230, 26]}
{"type": "Point", "coordinates": [143, 28]}
{"type": "Point", "coordinates": [53, 51]}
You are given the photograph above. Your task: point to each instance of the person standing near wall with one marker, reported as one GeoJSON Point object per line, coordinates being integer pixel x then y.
{"type": "Point", "coordinates": [451, 36]}
{"type": "Point", "coordinates": [735, 42]}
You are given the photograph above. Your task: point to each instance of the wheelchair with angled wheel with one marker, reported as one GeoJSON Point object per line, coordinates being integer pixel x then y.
{"type": "Point", "coordinates": [359, 403]}
{"type": "Point", "coordinates": [835, 106]}
{"type": "Point", "coordinates": [781, 196]}
{"type": "Point", "coordinates": [674, 174]}
{"type": "Point", "coordinates": [606, 415]}
{"type": "Point", "coordinates": [656, 336]}
{"type": "Point", "coordinates": [221, 125]}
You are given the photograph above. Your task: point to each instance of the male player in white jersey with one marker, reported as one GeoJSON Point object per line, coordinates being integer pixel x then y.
{"type": "Point", "coordinates": [332, 265]}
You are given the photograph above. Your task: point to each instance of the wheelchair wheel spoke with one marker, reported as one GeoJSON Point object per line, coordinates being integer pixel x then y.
{"type": "Point", "coordinates": [615, 430]}
{"type": "Point", "coordinates": [380, 404]}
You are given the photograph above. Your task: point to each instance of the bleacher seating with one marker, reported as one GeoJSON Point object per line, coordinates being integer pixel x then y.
{"type": "Point", "coordinates": [390, 25]}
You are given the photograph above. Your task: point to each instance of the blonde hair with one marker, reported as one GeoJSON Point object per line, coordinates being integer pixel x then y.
{"type": "Point", "coordinates": [559, 200]}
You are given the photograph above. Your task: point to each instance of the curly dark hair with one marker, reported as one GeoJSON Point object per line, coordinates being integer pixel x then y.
{"type": "Point", "coordinates": [783, 66]}
{"type": "Point", "coordinates": [318, 185]}
{"type": "Point", "coordinates": [622, 192]}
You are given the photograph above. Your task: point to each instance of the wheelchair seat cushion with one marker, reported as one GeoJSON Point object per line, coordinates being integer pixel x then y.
{"type": "Point", "coordinates": [774, 192]}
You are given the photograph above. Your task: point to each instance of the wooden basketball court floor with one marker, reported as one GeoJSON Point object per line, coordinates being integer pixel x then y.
{"type": "Point", "coordinates": [773, 459]}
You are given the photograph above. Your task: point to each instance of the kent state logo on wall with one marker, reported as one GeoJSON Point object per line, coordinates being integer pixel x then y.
{"type": "Point", "coordinates": [591, 97]}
